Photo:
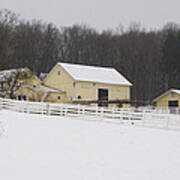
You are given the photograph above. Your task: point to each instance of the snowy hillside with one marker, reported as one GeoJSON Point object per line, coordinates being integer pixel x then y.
{"type": "Point", "coordinates": [35, 147]}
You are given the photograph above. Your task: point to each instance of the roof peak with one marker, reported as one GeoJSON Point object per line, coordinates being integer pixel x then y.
{"type": "Point", "coordinates": [84, 65]}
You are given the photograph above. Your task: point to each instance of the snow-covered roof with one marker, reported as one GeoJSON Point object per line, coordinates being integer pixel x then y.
{"type": "Point", "coordinates": [95, 74]}
{"type": "Point", "coordinates": [177, 91]}
{"type": "Point", "coordinates": [7, 74]}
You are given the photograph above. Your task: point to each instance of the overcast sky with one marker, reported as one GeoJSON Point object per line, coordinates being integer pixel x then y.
{"type": "Point", "coordinates": [100, 14]}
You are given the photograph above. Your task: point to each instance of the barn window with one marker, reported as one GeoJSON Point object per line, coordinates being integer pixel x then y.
{"type": "Point", "coordinates": [24, 97]}
{"type": "Point", "coordinates": [25, 74]}
{"type": "Point", "coordinates": [59, 97]}
{"type": "Point", "coordinates": [173, 94]}
{"type": "Point", "coordinates": [79, 97]}
{"type": "Point", "coordinates": [59, 72]}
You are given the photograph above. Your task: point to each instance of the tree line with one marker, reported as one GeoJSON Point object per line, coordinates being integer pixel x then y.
{"type": "Point", "coordinates": [149, 59]}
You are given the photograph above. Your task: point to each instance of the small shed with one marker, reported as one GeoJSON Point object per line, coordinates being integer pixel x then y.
{"type": "Point", "coordinates": [170, 98]}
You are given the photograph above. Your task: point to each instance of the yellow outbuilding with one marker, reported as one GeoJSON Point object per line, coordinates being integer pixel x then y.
{"type": "Point", "coordinates": [12, 81]}
{"type": "Point", "coordinates": [86, 83]}
{"type": "Point", "coordinates": [25, 85]}
{"type": "Point", "coordinates": [33, 90]}
{"type": "Point", "coordinates": [171, 98]}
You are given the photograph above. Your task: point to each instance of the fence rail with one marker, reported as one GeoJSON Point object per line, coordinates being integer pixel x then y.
{"type": "Point", "coordinates": [147, 117]}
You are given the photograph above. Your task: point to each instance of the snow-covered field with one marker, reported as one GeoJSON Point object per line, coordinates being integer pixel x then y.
{"type": "Point", "coordinates": [35, 147]}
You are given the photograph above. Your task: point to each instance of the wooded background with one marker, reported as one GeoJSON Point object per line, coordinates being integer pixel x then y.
{"type": "Point", "coordinates": [149, 59]}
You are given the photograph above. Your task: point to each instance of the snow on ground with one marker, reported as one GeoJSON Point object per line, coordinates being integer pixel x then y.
{"type": "Point", "coordinates": [41, 147]}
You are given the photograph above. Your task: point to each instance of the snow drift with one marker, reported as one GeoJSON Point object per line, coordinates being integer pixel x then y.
{"type": "Point", "coordinates": [47, 147]}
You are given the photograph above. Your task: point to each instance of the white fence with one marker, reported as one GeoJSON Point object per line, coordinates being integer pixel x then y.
{"type": "Point", "coordinates": [155, 118]}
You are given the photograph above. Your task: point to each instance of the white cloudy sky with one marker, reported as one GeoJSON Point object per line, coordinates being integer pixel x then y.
{"type": "Point", "coordinates": [100, 14]}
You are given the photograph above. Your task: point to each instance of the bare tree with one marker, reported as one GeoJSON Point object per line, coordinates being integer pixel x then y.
{"type": "Point", "coordinates": [8, 21]}
{"type": "Point", "coordinates": [11, 80]}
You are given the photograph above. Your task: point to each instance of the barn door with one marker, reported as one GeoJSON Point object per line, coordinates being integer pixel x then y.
{"type": "Point", "coordinates": [102, 96]}
{"type": "Point", "coordinates": [173, 103]}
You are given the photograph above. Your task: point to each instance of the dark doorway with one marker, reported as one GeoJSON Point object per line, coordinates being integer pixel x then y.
{"type": "Point", "coordinates": [173, 103]}
{"type": "Point", "coordinates": [22, 97]}
{"type": "Point", "coordinates": [19, 97]}
{"type": "Point", "coordinates": [102, 96]}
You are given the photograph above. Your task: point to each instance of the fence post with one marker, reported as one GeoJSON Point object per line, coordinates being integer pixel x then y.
{"type": "Point", "coordinates": [60, 111]}
{"type": "Point", "coordinates": [83, 111]}
{"type": "Point", "coordinates": [119, 115]}
{"type": "Point", "coordinates": [65, 111]}
{"type": "Point", "coordinates": [47, 109]}
{"type": "Point", "coordinates": [78, 109]}
{"type": "Point", "coordinates": [0, 103]}
{"type": "Point", "coordinates": [112, 110]}
{"type": "Point", "coordinates": [102, 111]}
{"type": "Point", "coordinates": [27, 108]}
{"type": "Point", "coordinates": [144, 117]}
{"type": "Point", "coordinates": [167, 124]}
{"type": "Point", "coordinates": [97, 111]}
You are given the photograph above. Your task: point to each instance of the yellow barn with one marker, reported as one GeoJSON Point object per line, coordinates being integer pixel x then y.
{"type": "Point", "coordinates": [33, 90]}
{"type": "Point", "coordinates": [171, 98]}
{"type": "Point", "coordinates": [85, 83]}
